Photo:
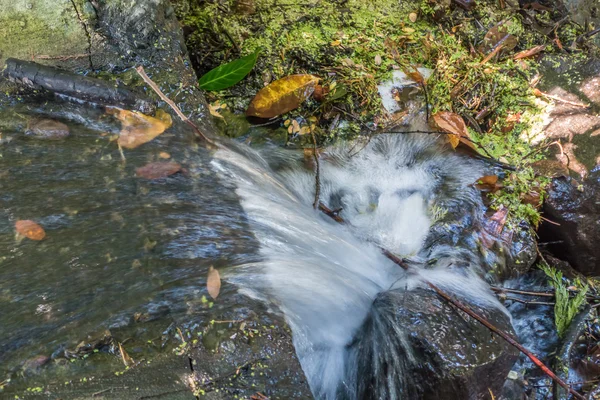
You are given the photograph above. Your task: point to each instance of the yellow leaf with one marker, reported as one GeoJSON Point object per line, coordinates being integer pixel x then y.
{"type": "Point", "coordinates": [281, 96]}
{"type": "Point", "coordinates": [137, 128]}
{"type": "Point", "coordinates": [454, 140]}
{"type": "Point", "coordinates": [214, 111]}
{"type": "Point", "coordinates": [213, 283]}
{"type": "Point", "coordinates": [412, 17]}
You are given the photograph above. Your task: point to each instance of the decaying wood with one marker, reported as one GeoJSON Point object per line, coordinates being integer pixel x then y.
{"type": "Point", "coordinates": [81, 87]}
{"type": "Point", "coordinates": [466, 309]}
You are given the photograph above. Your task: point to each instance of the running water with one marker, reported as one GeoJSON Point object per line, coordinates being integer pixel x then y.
{"type": "Point", "coordinates": [400, 192]}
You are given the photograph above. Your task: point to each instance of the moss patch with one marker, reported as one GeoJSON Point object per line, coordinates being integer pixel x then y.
{"type": "Point", "coordinates": [357, 44]}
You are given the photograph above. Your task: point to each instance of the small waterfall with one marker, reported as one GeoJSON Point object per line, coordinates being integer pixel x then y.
{"type": "Point", "coordinates": [331, 282]}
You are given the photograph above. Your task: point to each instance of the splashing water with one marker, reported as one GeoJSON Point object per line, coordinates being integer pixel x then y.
{"type": "Point", "coordinates": [325, 277]}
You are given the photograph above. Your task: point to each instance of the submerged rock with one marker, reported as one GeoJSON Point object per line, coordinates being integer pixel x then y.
{"type": "Point", "coordinates": [575, 208]}
{"type": "Point", "coordinates": [444, 354]}
{"type": "Point", "coordinates": [47, 129]}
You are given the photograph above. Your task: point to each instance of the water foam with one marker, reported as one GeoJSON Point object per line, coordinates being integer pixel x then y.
{"type": "Point", "coordinates": [323, 276]}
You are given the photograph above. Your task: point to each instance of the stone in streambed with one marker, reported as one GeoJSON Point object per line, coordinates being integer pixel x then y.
{"type": "Point", "coordinates": [47, 129]}
{"type": "Point", "coordinates": [417, 346]}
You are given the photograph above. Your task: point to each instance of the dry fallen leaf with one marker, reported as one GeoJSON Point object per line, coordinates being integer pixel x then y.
{"type": "Point", "coordinates": [137, 128]}
{"type": "Point", "coordinates": [214, 111]}
{"type": "Point", "coordinates": [529, 52]}
{"type": "Point", "coordinates": [532, 198]}
{"type": "Point", "coordinates": [497, 37]}
{"type": "Point", "coordinates": [416, 76]}
{"type": "Point", "coordinates": [498, 220]}
{"type": "Point", "coordinates": [213, 283]}
{"type": "Point", "coordinates": [30, 229]}
{"type": "Point", "coordinates": [281, 96]}
{"type": "Point", "coordinates": [412, 17]}
{"type": "Point", "coordinates": [159, 169]}
{"type": "Point", "coordinates": [488, 183]}
{"type": "Point", "coordinates": [377, 59]}
{"type": "Point", "coordinates": [453, 125]}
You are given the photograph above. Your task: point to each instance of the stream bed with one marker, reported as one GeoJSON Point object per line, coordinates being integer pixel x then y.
{"type": "Point", "coordinates": [124, 260]}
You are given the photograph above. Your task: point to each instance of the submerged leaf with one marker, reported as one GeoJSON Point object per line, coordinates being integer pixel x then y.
{"type": "Point", "coordinates": [213, 283]}
{"type": "Point", "coordinates": [137, 128]}
{"type": "Point", "coordinates": [127, 360]}
{"type": "Point", "coordinates": [30, 229]}
{"type": "Point", "coordinates": [159, 169]}
{"type": "Point", "coordinates": [281, 96]}
{"type": "Point", "coordinates": [229, 74]}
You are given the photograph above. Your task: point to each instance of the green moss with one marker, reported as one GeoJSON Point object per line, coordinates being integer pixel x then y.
{"type": "Point", "coordinates": [338, 41]}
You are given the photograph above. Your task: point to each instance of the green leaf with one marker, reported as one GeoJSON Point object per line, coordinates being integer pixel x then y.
{"type": "Point", "coordinates": [337, 93]}
{"type": "Point", "coordinates": [229, 74]}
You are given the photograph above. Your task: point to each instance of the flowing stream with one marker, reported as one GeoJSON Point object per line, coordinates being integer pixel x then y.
{"type": "Point", "coordinates": [119, 247]}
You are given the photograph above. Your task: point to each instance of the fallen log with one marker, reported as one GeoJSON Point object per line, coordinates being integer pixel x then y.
{"type": "Point", "coordinates": [69, 84]}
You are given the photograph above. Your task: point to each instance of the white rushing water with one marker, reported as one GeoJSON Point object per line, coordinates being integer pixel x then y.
{"type": "Point", "coordinates": [324, 276]}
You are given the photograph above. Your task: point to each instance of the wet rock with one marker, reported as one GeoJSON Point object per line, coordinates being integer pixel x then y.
{"type": "Point", "coordinates": [576, 208]}
{"type": "Point", "coordinates": [47, 129]}
{"type": "Point", "coordinates": [453, 356]}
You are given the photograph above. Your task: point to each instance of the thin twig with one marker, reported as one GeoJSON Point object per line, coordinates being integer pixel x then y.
{"type": "Point", "coordinates": [508, 338]}
{"type": "Point", "coordinates": [535, 303]}
{"type": "Point", "coordinates": [150, 82]}
{"type": "Point", "coordinates": [523, 292]}
{"type": "Point", "coordinates": [317, 170]}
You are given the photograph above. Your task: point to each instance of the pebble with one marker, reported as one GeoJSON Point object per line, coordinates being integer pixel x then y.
{"type": "Point", "coordinates": [47, 129]}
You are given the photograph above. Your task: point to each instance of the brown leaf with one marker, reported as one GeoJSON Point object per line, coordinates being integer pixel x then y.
{"type": "Point", "coordinates": [529, 52]}
{"type": "Point", "coordinates": [416, 76]}
{"type": "Point", "coordinates": [137, 128]}
{"type": "Point", "coordinates": [412, 17]}
{"type": "Point", "coordinates": [498, 220]}
{"type": "Point", "coordinates": [128, 361]}
{"type": "Point", "coordinates": [213, 283]}
{"type": "Point", "coordinates": [453, 124]}
{"type": "Point", "coordinates": [159, 169]}
{"type": "Point", "coordinates": [30, 229]}
{"type": "Point", "coordinates": [488, 183]}
{"type": "Point", "coordinates": [550, 168]}
{"type": "Point", "coordinates": [498, 36]}
{"type": "Point", "coordinates": [533, 198]}
{"type": "Point", "coordinates": [281, 96]}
